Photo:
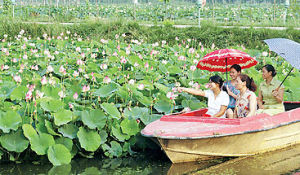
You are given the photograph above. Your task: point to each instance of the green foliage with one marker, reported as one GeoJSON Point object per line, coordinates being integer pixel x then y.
{"type": "Point", "coordinates": [94, 119]}
{"type": "Point", "coordinates": [62, 117]}
{"type": "Point", "coordinates": [9, 120]}
{"type": "Point", "coordinates": [111, 110]}
{"type": "Point", "coordinates": [89, 139]}
{"type": "Point", "coordinates": [14, 141]}
{"type": "Point", "coordinates": [58, 154]}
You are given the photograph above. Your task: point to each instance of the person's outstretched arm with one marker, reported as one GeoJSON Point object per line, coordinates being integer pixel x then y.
{"type": "Point", "coordinates": [198, 92]}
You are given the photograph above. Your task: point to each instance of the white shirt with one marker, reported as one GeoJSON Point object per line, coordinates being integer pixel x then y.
{"type": "Point", "coordinates": [214, 104]}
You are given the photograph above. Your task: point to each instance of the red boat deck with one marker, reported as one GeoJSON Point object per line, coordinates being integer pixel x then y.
{"type": "Point", "coordinates": [192, 125]}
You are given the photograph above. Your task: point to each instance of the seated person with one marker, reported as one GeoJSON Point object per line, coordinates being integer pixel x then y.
{"type": "Point", "coordinates": [246, 102]}
{"type": "Point", "coordinates": [218, 100]}
{"type": "Point", "coordinates": [270, 98]}
{"type": "Point", "coordinates": [235, 71]}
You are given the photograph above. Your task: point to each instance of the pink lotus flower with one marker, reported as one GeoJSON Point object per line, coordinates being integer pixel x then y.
{"type": "Point", "coordinates": [52, 81]}
{"type": "Point", "coordinates": [82, 55]}
{"type": "Point", "coordinates": [115, 54]}
{"type": "Point", "coordinates": [93, 55]}
{"type": "Point", "coordinates": [164, 61]}
{"type": "Point", "coordinates": [78, 49]}
{"type": "Point", "coordinates": [116, 36]}
{"type": "Point", "coordinates": [213, 46]}
{"type": "Point", "coordinates": [103, 66]}
{"type": "Point", "coordinates": [106, 80]}
{"type": "Point", "coordinates": [85, 88]}
{"type": "Point", "coordinates": [4, 67]}
{"type": "Point", "coordinates": [202, 49]}
{"type": "Point", "coordinates": [146, 65]}
{"type": "Point", "coordinates": [39, 94]}
{"type": "Point", "coordinates": [25, 57]}
{"type": "Point", "coordinates": [264, 54]}
{"type": "Point", "coordinates": [17, 78]}
{"type": "Point", "coordinates": [132, 81]}
{"type": "Point", "coordinates": [123, 60]}
{"type": "Point", "coordinates": [182, 58]}
{"type": "Point", "coordinates": [44, 80]}
{"type": "Point", "coordinates": [50, 69]}
{"type": "Point", "coordinates": [75, 96]}
{"type": "Point", "coordinates": [176, 38]}
{"type": "Point", "coordinates": [195, 61]}
{"type": "Point", "coordinates": [104, 41]}
{"type": "Point", "coordinates": [171, 95]}
{"type": "Point", "coordinates": [62, 69]}
{"type": "Point", "coordinates": [136, 64]}
{"type": "Point", "coordinates": [75, 74]}
{"type": "Point", "coordinates": [141, 86]}
{"type": "Point", "coordinates": [79, 62]}
{"type": "Point", "coordinates": [35, 67]}
{"type": "Point", "coordinates": [14, 60]}
{"type": "Point", "coordinates": [71, 106]}
{"type": "Point", "coordinates": [28, 95]}
{"type": "Point", "coordinates": [191, 50]}
{"type": "Point", "coordinates": [193, 68]}
{"type": "Point", "coordinates": [61, 94]}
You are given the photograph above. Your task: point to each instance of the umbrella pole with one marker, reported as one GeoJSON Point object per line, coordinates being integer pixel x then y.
{"type": "Point", "coordinates": [226, 70]}
{"type": "Point", "coordinates": [285, 78]}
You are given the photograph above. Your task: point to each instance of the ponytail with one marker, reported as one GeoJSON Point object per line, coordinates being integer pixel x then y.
{"type": "Point", "coordinates": [249, 82]}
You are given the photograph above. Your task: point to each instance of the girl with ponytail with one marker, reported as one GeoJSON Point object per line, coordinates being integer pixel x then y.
{"type": "Point", "coordinates": [246, 102]}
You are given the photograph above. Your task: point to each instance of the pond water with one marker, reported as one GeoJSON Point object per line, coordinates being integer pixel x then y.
{"type": "Point", "coordinates": [285, 161]}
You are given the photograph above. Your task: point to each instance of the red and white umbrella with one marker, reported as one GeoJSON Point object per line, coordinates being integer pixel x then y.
{"type": "Point", "coordinates": [221, 60]}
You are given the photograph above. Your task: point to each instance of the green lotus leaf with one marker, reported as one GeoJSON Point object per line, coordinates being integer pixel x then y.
{"type": "Point", "coordinates": [111, 110]}
{"type": "Point", "coordinates": [135, 59]}
{"type": "Point", "coordinates": [106, 90]}
{"type": "Point", "coordinates": [51, 91]}
{"type": "Point", "coordinates": [136, 112]}
{"type": "Point", "coordinates": [103, 136]}
{"type": "Point", "coordinates": [62, 117]}
{"type": "Point", "coordinates": [147, 101]}
{"type": "Point", "coordinates": [115, 150]}
{"type": "Point", "coordinates": [6, 88]}
{"type": "Point", "coordinates": [91, 170]}
{"type": "Point", "coordinates": [58, 154]}
{"type": "Point", "coordinates": [41, 143]}
{"type": "Point", "coordinates": [68, 130]}
{"type": "Point", "coordinates": [193, 104]}
{"type": "Point", "coordinates": [146, 119]}
{"type": "Point", "coordinates": [14, 141]}
{"type": "Point", "coordinates": [68, 143]}
{"type": "Point", "coordinates": [89, 139]}
{"type": "Point", "coordinates": [10, 120]}
{"type": "Point", "coordinates": [50, 128]}
{"type": "Point", "coordinates": [174, 70]}
{"type": "Point", "coordinates": [94, 119]}
{"type": "Point", "coordinates": [124, 94]}
{"type": "Point", "coordinates": [52, 105]}
{"type": "Point", "coordinates": [162, 87]}
{"type": "Point", "coordinates": [18, 93]}
{"type": "Point", "coordinates": [163, 106]}
{"type": "Point", "coordinates": [41, 128]}
{"type": "Point", "coordinates": [130, 127]}
{"type": "Point", "coordinates": [61, 170]}
{"type": "Point", "coordinates": [29, 132]}
{"type": "Point", "coordinates": [116, 131]}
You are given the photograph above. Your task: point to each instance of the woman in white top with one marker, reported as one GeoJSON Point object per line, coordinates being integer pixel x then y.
{"type": "Point", "coordinates": [246, 103]}
{"type": "Point", "coordinates": [218, 100]}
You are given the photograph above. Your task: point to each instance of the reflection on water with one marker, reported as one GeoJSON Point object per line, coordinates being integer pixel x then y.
{"type": "Point", "coordinates": [285, 161]}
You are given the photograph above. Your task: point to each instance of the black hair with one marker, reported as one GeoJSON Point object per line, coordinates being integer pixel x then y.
{"type": "Point", "coordinates": [217, 79]}
{"type": "Point", "coordinates": [236, 67]}
{"type": "Point", "coordinates": [270, 68]}
{"type": "Point", "coordinates": [249, 82]}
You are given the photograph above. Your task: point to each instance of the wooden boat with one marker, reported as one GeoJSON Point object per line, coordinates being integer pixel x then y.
{"type": "Point", "coordinates": [281, 161]}
{"type": "Point", "coordinates": [191, 137]}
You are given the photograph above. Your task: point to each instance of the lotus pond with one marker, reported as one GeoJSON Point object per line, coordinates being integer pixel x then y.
{"type": "Point", "coordinates": [64, 96]}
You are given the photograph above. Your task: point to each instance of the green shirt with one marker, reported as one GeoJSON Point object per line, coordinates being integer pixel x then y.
{"type": "Point", "coordinates": [268, 98]}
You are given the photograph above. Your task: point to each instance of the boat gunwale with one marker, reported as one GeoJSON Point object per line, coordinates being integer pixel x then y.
{"type": "Point", "coordinates": [221, 135]}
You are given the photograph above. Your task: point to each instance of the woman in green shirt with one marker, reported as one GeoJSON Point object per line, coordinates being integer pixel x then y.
{"type": "Point", "coordinates": [270, 98]}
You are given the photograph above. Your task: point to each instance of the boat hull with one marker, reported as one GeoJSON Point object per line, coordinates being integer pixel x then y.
{"type": "Point", "coordinates": [246, 144]}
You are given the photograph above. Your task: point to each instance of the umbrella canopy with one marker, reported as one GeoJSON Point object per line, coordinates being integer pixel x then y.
{"type": "Point", "coordinates": [287, 49]}
{"type": "Point", "coordinates": [221, 60]}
